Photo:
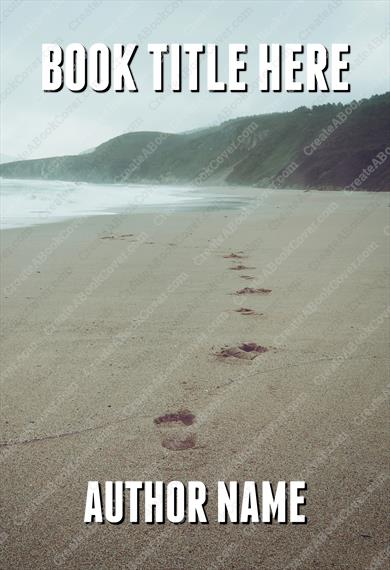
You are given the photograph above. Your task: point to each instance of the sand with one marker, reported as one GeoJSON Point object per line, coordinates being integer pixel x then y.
{"type": "Point", "coordinates": [123, 320]}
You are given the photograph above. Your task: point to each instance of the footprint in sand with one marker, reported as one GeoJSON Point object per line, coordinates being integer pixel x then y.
{"type": "Point", "coordinates": [253, 291]}
{"type": "Point", "coordinates": [238, 255]}
{"type": "Point", "coordinates": [174, 430]}
{"type": "Point", "coordinates": [245, 311]}
{"type": "Point", "coordinates": [175, 443]}
{"type": "Point", "coordinates": [245, 351]}
{"type": "Point", "coordinates": [122, 236]}
{"type": "Point", "coordinates": [240, 267]}
{"type": "Point", "coordinates": [184, 417]}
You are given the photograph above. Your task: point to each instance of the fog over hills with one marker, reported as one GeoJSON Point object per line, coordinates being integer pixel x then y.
{"type": "Point", "coordinates": [323, 147]}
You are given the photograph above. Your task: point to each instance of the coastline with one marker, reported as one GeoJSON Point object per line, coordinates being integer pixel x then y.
{"type": "Point", "coordinates": [35, 202]}
{"type": "Point", "coordinates": [62, 205]}
{"type": "Point", "coordinates": [122, 320]}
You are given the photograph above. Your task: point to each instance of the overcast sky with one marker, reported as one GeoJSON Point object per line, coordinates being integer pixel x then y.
{"type": "Point", "coordinates": [26, 24]}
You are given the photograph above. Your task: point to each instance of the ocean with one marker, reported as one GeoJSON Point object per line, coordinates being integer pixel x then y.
{"type": "Point", "coordinates": [31, 202]}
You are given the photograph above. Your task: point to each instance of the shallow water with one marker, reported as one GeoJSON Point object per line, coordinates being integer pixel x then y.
{"type": "Point", "coordinates": [31, 202]}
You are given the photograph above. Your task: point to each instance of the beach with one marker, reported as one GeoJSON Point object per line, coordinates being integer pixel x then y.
{"type": "Point", "coordinates": [266, 321]}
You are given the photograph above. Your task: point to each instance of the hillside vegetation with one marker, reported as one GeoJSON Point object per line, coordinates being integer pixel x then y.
{"type": "Point", "coordinates": [324, 147]}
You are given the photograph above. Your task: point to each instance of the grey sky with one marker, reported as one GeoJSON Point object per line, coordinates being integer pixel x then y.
{"type": "Point", "coordinates": [93, 118]}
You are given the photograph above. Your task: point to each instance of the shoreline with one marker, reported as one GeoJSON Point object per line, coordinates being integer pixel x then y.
{"type": "Point", "coordinates": [234, 196]}
{"type": "Point", "coordinates": [169, 199]}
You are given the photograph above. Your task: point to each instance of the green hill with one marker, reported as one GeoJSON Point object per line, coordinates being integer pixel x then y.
{"type": "Point", "coordinates": [322, 147]}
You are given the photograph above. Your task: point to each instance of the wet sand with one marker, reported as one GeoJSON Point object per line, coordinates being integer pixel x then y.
{"type": "Point", "coordinates": [117, 328]}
